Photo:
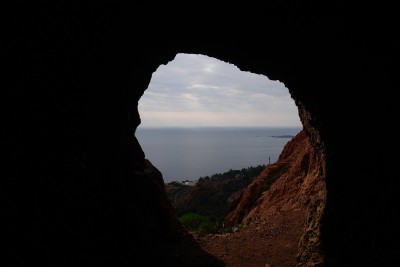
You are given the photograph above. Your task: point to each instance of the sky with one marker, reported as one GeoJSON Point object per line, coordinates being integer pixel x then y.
{"type": "Point", "coordinates": [201, 91]}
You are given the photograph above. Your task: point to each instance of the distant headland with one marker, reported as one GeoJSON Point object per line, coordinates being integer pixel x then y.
{"type": "Point", "coordinates": [283, 136]}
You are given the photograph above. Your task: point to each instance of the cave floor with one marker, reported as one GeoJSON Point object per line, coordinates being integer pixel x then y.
{"type": "Point", "coordinates": [274, 242]}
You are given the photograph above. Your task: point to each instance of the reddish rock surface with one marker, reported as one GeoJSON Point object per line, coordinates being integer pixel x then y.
{"type": "Point", "coordinates": [273, 220]}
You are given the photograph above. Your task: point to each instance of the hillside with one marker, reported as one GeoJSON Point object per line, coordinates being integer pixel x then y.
{"type": "Point", "coordinates": [212, 195]}
{"type": "Point", "coordinates": [271, 210]}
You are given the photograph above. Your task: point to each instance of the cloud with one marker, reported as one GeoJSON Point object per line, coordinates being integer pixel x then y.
{"type": "Point", "coordinates": [197, 90]}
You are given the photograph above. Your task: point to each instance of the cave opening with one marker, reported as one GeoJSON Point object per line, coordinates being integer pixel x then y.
{"type": "Point", "coordinates": [205, 121]}
{"type": "Point", "coordinates": [73, 81]}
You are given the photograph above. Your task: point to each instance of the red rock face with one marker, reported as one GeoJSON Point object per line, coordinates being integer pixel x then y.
{"type": "Point", "coordinates": [296, 184]}
{"type": "Point", "coordinates": [299, 182]}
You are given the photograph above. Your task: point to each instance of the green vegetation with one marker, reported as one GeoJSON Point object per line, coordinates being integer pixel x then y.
{"type": "Point", "coordinates": [203, 207]}
{"type": "Point", "coordinates": [199, 224]}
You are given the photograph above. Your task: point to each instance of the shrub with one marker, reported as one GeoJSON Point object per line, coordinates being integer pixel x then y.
{"type": "Point", "coordinates": [199, 224]}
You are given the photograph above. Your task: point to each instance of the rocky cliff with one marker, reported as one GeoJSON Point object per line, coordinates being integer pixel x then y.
{"type": "Point", "coordinates": [297, 186]}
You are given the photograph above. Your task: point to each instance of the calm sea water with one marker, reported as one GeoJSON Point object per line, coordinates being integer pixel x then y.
{"type": "Point", "coordinates": [190, 153]}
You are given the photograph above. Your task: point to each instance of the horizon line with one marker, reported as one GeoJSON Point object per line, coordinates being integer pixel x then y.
{"type": "Point", "coordinates": [273, 126]}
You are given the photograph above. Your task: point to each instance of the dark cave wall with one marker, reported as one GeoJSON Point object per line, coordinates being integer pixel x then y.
{"type": "Point", "coordinates": [77, 189]}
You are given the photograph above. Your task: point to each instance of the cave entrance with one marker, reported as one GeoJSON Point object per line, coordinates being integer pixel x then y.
{"type": "Point", "coordinates": [223, 118]}
{"type": "Point", "coordinates": [203, 122]}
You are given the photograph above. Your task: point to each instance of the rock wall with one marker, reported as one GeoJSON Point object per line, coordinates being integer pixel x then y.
{"type": "Point", "coordinates": [298, 186]}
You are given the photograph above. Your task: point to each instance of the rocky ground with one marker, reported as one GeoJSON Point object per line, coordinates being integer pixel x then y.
{"type": "Point", "coordinates": [258, 244]}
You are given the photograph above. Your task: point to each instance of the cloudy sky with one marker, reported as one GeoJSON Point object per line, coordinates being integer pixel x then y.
{"type": "Point", "coordinates": [196, 90]}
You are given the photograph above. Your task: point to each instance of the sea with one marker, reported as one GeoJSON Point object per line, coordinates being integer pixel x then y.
{"type": "Point", "coordinates": [186, 154]}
